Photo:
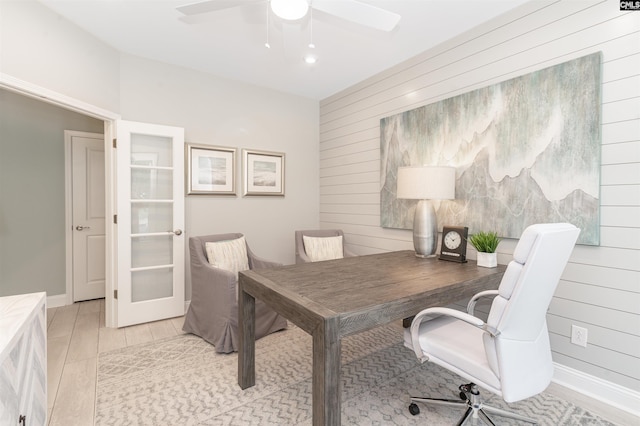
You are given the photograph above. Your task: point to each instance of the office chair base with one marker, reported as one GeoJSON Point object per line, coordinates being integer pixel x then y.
{"type": "Point", "coordinates": [470, 398]}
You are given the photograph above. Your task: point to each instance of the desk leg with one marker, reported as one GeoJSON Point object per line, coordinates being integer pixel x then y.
{"type": "Point", "coordinates": [326, 374]}
{"type": "Point", "coordinates": [247, 343]}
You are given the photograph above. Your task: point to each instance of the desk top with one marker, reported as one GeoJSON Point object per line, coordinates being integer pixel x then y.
{"type": "Point", "coordinates": [365, 291]}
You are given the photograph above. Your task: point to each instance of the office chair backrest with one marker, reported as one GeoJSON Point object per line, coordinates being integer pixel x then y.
{"type": "Point", "coordinates": [520, 354]}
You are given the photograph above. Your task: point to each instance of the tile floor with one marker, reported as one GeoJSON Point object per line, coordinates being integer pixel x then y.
{"type": "Point", "coordinates": [76, 335]}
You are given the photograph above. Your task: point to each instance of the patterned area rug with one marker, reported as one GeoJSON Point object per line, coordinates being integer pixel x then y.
{"type": "Point", "coordinates": [183, 381]}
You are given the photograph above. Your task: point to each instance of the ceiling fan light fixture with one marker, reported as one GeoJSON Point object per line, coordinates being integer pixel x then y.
{"type": "Point", "coordinates": [290, 10]}
{"type": "Point", "coordinates": [310, 59]}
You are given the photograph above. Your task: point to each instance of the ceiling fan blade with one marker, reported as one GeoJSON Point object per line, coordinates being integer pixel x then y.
{"type": "Point", "coordinates": [212, 5]}
{"type": "Point", "coordinates": [360, 13]}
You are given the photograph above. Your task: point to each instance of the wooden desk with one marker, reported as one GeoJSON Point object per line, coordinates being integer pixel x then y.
{"type": "Point", "coordinates": [333, 299]}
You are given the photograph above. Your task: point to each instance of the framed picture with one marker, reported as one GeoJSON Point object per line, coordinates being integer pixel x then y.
{"type": "Point", "coordinates": [263, 172]}
{"type": "Point", "coordinates": [210, 170]}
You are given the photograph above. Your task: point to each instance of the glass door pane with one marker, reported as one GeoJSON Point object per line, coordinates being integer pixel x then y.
{"type": "Point", "coordinates": [151, 217]}
{"type": "Point", "coordinates": [151, 284]}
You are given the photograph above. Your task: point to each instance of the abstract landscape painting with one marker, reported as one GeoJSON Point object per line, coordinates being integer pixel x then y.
{"type": "Point", "coordinates": [526, 151]}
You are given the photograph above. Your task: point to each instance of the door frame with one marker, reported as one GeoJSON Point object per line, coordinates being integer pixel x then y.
{"type": "Point", "coordinates": [68, 207]}
{"type": "Point", "coordinates": [43, 94]}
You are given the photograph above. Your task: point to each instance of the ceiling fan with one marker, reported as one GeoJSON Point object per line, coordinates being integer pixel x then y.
{"type": "Point", "coordinates": [291, 10]}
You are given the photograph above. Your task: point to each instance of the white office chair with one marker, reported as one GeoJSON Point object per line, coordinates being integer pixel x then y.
{"type": "Point", "coordinates": [508, 355]}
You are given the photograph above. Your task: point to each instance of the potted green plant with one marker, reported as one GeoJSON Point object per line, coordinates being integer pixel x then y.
{"type": "Point", "coordinates": [486, 244]}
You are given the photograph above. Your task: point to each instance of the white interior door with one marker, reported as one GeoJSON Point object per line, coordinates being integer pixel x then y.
{"type": "Point", "coordinates": [150, 222]}
{"type": "Point", "coordinates": [88, 207]}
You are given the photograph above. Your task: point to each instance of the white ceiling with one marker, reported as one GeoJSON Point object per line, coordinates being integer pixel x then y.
{"type": "Point", "coordinates": [230, 43]}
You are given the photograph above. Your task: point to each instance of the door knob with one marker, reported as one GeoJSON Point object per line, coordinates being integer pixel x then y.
{"type": "Point", "coordinates": [177, 231]}
{"type": "Point", "coordinates": [80, 227]}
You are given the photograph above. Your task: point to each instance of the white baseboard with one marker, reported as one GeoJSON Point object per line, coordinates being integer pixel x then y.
{"type": "Point", "coordinates": [61, 300]}
{"type": "Point", "coordinates": [610, 393]}
{"type": "Point", "coordinates": [56, 301]}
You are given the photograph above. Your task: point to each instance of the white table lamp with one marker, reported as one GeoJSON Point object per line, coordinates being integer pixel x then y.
{"type": "Point", "coordinates": [426, 183]}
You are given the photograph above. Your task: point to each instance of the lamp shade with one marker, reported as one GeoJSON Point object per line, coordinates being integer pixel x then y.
{"type": "Point", "coordinates": [426, 183]}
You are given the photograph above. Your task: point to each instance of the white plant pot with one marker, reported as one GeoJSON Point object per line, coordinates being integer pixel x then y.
{"type": "Point", "coordinates": [487, 260]}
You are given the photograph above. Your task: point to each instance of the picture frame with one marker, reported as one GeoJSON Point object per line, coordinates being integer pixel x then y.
{"type": "Point", "coordinates": [263, 172]}
{"type": "Point", "coordinates": [211, 170]}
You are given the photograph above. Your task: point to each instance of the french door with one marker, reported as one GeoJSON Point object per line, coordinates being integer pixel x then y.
{"type": "Point", "coordinates": [150, 222]}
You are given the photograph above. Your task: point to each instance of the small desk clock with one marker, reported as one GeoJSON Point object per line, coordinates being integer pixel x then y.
{"type": "Point", "coordinates": [454, 243]}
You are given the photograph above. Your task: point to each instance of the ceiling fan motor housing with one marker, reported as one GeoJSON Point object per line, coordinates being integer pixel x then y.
{"type": "Point", "coordinates": [290, 10]}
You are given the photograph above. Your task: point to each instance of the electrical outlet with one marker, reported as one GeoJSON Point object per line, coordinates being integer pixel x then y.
{"type": "Point", "coordinates": [579, 336]}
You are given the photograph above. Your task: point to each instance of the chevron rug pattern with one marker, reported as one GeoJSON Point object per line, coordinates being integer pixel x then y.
{"type": "Point", "coordinates": [183, 381]}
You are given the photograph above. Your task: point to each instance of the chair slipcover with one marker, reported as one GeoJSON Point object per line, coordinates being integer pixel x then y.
{"type": "Point", "coordinates": [213, 312]}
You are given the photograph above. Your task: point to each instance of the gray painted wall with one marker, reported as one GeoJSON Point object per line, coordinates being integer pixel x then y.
{"type": "Point", "coordinates": [600, 289]}
{"type": "Point", "coordinates": [32, 191]}
{"type": "Point", "coordinates": [43, 49]}
{"type": "Point", "coordinates": [214, 111]}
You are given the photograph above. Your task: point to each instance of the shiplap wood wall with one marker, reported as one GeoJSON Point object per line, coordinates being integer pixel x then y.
{"type": "Point", "coordinates": [600, 289]}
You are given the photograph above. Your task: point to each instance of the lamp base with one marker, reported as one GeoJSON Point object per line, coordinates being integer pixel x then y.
{"type": "Point", "coordinates": [425, 229]}
{"type": "Point", "coordinates": [425, 256]}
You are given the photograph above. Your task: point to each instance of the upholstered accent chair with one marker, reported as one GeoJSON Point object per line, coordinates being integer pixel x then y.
{"type": "Point", "coordinates": [213, 312]}
{"type": "Point", "coordinates": [509, 354]}
{"type": "Point", "coordinates": [320, 244]}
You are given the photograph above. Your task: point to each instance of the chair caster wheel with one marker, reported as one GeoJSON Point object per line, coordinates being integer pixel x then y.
{"type": "Point", "coordinates": [464, 389]}
{"type": "Point", "coordinates": [414, 409]}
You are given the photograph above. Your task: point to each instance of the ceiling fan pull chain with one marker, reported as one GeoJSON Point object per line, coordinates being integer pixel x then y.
{"type": "Point", "coordinates": [311, 45]}
{"type": "Point", "coordinates": [267, 45]}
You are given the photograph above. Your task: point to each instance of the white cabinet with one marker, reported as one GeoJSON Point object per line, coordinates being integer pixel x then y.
{"type": "Point", "coordinates": [23, 360]}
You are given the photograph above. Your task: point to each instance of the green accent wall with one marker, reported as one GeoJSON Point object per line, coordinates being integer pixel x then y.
{"type": "Point", "coordinates": [32, 192]}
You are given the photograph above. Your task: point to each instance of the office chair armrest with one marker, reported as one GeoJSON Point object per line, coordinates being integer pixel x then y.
{"type": "Point", "coordinates": [471, 306]}
{"type": "Point", "coordinates": [429, 312]}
